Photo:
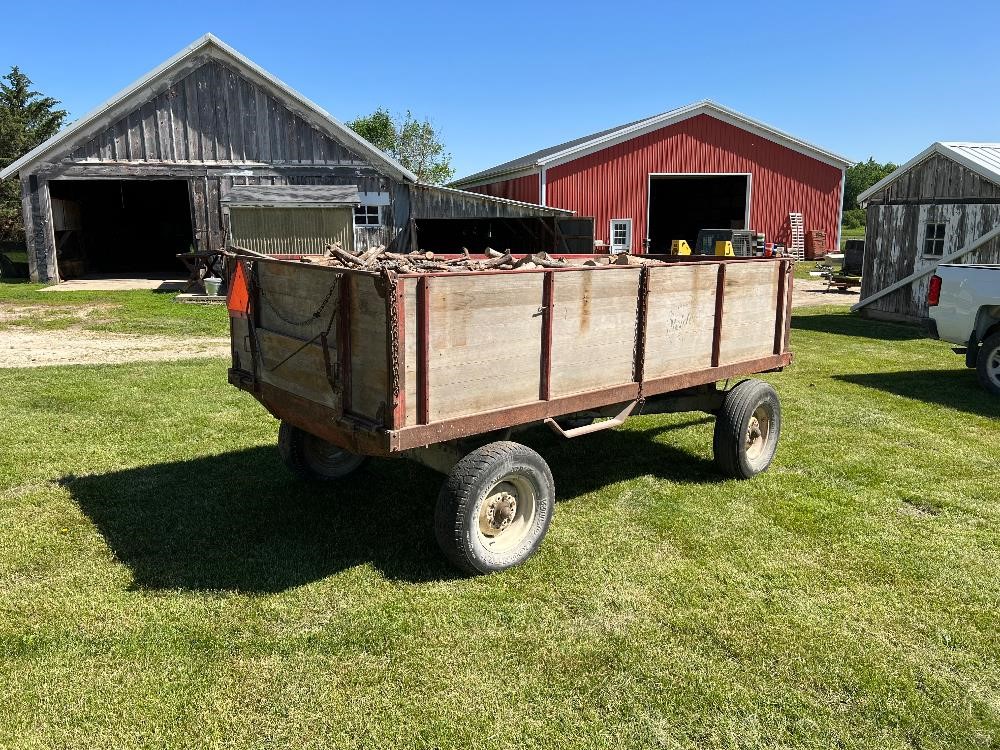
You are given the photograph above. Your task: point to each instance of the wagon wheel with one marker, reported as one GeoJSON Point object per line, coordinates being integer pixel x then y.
{"type": "Point", "coordinates": [747, 428]}
{"type": "Point", "coordinates": [495, 507]}
{"type": "Point", "coordinates": [988, 364]}
{"type": "Point", "coordinates": [314, 458]}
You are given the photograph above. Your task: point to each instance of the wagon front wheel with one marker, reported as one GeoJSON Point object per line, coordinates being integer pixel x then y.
{"type": "Point", "coordinates": [495, 507]}
{"type": "Point", "coordinates": [747, 428]}
{"type": "Point", "coordinates": [312, 457]}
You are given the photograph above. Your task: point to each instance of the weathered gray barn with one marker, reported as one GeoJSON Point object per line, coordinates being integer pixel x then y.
{"type": "Point", "coordinates": [144, 176]}
{"type": "Point", "coordinates": [942, 206]}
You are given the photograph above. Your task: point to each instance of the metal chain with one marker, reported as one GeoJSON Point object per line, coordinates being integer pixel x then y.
{"type": "Point", "coordinates": [311, 318]}
{"type": "Point", "coordinates": [391, 291]}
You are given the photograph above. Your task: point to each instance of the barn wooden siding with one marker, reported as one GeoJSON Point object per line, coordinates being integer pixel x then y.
{"type": "Point", "coordinates": [213, 127]}
{"type": "Point", "coordinates": [274, 230]}
{"type": "Point", "coordinates": [936, 190]}
{"type": "Point", "coordinates": [213, 119]}
{"type": "Point", "coordinates": [613, 183]}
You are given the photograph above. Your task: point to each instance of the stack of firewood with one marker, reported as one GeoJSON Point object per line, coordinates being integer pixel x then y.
{"type": "Point", "coordinates": [380, 259]}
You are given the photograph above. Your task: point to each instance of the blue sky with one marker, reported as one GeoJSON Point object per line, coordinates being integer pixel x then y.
{"type": "Point", "coordinates": [505, 78]}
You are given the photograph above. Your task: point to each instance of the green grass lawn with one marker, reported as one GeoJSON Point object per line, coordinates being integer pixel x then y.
{"type": "Point", "coordinates": [164, 582]}
{"type": "Point", "coordinates": [135, 311]}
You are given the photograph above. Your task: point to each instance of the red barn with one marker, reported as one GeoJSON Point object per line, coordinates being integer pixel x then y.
{"type": "Point", "coordinates": [665, 177]}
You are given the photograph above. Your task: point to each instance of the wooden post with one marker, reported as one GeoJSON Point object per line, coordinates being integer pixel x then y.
{"type": "Point", "coordinates": [720, 296]}
{"type": "Point", "coordinates": [545, 381]}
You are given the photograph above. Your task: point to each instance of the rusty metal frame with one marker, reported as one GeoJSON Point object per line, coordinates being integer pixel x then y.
{"type": "Point", "coordinates": [720, 306]}
{"type": "Point", "coordinates": [397, 357]}
{"type": "Point", "coordinates": [423, 350]}
{"type": "Point", "coordinates": [344, 342]}
{"type": "Point", "coordinates": [642, 319]}
{"type": "Point", "coordinates": [548, 303]}
{"type": "Point", "coordinates": [364, 436]}
{"type": "Point", "coordinates": [779, 318]}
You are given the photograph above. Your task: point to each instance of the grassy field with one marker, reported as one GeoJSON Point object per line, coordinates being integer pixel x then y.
{"type": "Point", "coordinates": [22, 305]}
{"type": "Point", "coordinates": [164, 582]}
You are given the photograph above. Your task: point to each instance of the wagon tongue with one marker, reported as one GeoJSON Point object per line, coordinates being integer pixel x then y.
{"type": "Point", "coordinates": [238, 299]}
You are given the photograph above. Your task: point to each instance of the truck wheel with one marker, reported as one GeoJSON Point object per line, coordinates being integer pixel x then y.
{"type": "Point", "coordinates": [988, 364]}
{"type": "Point", "coordinates": [495, 507]}
{"type": "Point", "coordinates": [747, 428]}
{"type": "Point", "coordinates": [314, 458]}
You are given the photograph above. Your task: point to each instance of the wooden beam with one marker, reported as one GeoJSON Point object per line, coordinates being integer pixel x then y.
{"type": "Point", "coordinates": [968, 248]}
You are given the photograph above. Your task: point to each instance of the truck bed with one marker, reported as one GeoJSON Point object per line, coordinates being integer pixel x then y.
{"type": "Point", "coordinates": [382, 363]}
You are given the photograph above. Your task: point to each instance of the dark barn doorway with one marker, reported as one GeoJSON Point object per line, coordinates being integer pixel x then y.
{"type": "Point", "coordinates": [129, 227]}
{"type": "Point", "coordinates": [680, 205]}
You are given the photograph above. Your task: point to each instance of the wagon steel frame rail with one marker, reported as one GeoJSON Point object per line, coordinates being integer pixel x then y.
{"type": "Point", "coordinates": [361, 435]}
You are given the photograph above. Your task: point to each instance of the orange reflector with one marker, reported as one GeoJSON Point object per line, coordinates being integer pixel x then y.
{"type": "Point", "coordinates": [238, 300]}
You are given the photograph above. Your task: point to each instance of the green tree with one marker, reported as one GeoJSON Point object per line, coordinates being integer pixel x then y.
{"type": "Point", "coordinates": [862, 176]}
{"type": "Point", "coordinates": [413, 143]}
{"type": "Point", "coordinates": [26, 119]}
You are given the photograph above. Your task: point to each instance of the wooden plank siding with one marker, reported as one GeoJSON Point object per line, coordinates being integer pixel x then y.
{"type": "Point", "coordinates": [207, 116]}
{"type": "Point", "coordinates": [937, 189]}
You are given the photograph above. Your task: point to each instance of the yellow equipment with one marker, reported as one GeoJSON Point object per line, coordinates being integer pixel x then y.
{"type": "Point", "coordinates": [680, 247]}
{"type": "Point", "coordinates": [724, 247]}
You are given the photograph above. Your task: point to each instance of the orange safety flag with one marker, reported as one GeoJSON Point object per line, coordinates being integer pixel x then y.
{"type": "Point", "coordinates": [238, 300]}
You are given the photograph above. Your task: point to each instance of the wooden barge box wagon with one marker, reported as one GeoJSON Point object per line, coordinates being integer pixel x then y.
{"type": "Point", "coordinates": [443, 367]}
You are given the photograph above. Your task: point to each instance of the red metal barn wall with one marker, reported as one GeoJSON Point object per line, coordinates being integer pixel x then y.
{"type": "Point", "coordinates": [518, 189]}
{"type": "Point", "coordinates": [613, 183]}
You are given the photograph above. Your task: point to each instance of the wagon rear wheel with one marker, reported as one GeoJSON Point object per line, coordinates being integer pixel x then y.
{"type": "Point", "coordinates": [495, 507]}
{"type": "Point", "coordinates": [747, 428]}
{"type": "Point", "coordinates": [314, 458]}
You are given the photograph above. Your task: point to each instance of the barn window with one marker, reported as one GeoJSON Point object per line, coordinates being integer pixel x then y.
{"type": "Point", "coordinates": [621, 235]}
{"type": "Point", "coordinates": [934, 239]}
{"type": "Point", "coordinates": [366, 216]}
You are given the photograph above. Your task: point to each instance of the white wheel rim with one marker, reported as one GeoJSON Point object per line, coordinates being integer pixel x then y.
{"type": "Point", "coordinates": [993, 366]}
{"type": "Point", "coordinates": [506, 514]}
{"type": "Point", "coordinates": [758, 431]}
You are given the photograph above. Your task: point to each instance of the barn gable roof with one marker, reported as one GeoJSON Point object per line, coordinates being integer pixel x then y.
{"type": "Point", "coordinates": [578, 147]}
{"type": "Point", "coordinates": [211, 47]}
{"type": "Point", "coordinates": [981, 158]}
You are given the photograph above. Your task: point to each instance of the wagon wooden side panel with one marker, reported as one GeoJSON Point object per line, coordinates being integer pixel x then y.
{"type": "Point", "coordinates": [749, 310]}
{"type": "Point", "coordinates": [594, 318]}
{"type": "Point", "coordinates": [680, 319]}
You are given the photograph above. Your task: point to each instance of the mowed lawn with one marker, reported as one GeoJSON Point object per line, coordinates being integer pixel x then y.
{"type": "Point", "coordinates": [165, 583]}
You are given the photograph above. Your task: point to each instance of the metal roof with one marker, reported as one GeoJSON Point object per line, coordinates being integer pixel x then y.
{"type": "Point", "coordinates": [982, 158]}
{"type": "Point", "coordinates": [293, 195]}
{"type": "Point", "coordinates": [214, 47]}
{"type": "Point", "coordinates": [595, 141]}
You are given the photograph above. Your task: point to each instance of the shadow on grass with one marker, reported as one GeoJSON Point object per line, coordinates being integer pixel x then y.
{"type": "Point", "coordinates": [855, 325]}
{"type": "Point", "coordinates": [957, 389]}
{"type": "Point", "coordinates": [240, 522]}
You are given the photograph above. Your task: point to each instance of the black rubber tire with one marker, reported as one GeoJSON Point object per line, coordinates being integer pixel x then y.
{"type": "Point", "coordinates": [303, 454]}
{"type": "Point", "coordinates": [456, 517]}
{"type": "Point", "coordinates": [989, 351]}
{"type": "Point", "coordinates": [732, 425]}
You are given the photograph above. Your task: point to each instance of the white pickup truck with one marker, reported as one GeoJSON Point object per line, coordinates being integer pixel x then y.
{"type": "Point", "coordinates": [964, 305]}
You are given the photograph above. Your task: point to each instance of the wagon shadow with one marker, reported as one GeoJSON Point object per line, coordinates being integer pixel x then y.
{"type": "Point", "coordinates": [957, 389]}
{"type": "Point", "coordinates": [856, 326]}
{"type": "Point", "coordinates": [239, 522]}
